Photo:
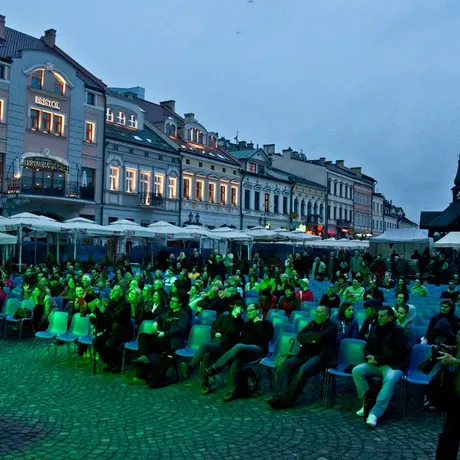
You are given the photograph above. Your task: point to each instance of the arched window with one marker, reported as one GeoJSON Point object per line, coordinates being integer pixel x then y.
{"type": "Point", "coordinates": [37, 79]}
{"type": "Point", "coordinates": [59, 84]}
{"type": "Point", "coordinates": [170, 129]}
{"type": "Point", "coordinates": [302, 209]}
{"type": "Point", "coordinates": [321, 211]}
{"type": "Point", "coordinates": [296, 206]}
{"type": "Point", "coordinates": [315, 209]}
{"type": "Point", "coordinates": [309, 208]}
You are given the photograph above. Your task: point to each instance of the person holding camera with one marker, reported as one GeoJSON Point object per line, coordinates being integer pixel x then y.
{"type": "Point", "coordinates": [449, 439]}
{"type": "Point", "coordinates": [256, 335]}
{"type": "Point", "coordinates": [225, 333]}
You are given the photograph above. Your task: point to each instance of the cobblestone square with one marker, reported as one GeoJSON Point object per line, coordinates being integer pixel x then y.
{"type": "Point", "coordinates": [61, 411]}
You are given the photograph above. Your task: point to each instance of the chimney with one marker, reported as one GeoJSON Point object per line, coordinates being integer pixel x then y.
{"type": "Point", "coordinates": [357, 171]}
{"type": "Point", "coordinates": [322, 161]}
{"type": "Point", "coordinates": [250, 145]}
{"type": "Point", "coordinates": [269, 149]}
{"type": "Point", "coordinates": [170, 105]}
{"type": "Point", "coordinates": [2, 26]}
{"type": "Point", "coordinates": [340, 163]}
{"type": "Point", "coordinates": [241, 145]}
{"type": "Point", "coordinates": [50, 37]}
{"type": "Point", "coordinates": [189, 118]}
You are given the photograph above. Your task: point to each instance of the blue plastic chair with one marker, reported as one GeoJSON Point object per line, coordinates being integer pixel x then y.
{"type": "Point", "coordinates": [272, 313]}
{"type": "Point", "coordinates": [58, 325]}
{"type": "Point", "coordinates": [146, 327]}
{"type": "Point", "coordinates": [308, 305]}
{"type": "Point", "coordinates": [9, 309]}
{"type": "Point", "coordinates": [59, 302]}
{"type": "Point", "coordinates": [79, 327]}
{"type": "Point", "coordinates": [300, 323]}
{"type": "Point", "coordinates": [281, 328]}
{"type": "Point", "coordinates": [298, 314]}
{"type": "Point", "coordinates": [278, 319]}
{"type": "Point", "coordinates": [360, 316]}
{"type": "Point", "coordinates": [286, 344]}
{"type": "Point", "coordinates": [29, 304]}
{"type": "Point", "coordinates": [351, 352]}
{"type": "Point", "coordinates": [206, 317]}
{"type": "Point", "coordinates": [199, 335]}
{"type": "Point", "coordinates": [6, 290]}
{"type": "Point", "coordinates": [15, 294]}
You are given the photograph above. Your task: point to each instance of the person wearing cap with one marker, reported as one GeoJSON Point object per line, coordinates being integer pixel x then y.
{"type": "Point", "coordinates": [371, 307]}
{"type": "Point", "coordinates": [305, 294]}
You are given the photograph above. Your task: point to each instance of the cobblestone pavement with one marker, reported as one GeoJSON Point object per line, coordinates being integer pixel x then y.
{"type": "Point", "coordinates": [60, 411]}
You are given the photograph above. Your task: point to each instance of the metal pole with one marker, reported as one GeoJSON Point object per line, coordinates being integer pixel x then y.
{"type": "Point", "coordinates": [75, 236]}
{"type": "Point", "coordinates": [57, 248]}
{"type": "Point", "coordinates": [20, 248]}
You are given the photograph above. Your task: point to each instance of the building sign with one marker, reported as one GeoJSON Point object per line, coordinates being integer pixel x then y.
{"type": "Point", "coordinates": [44, 163]}
{"type": "Point", "coordinates": [47, 102]}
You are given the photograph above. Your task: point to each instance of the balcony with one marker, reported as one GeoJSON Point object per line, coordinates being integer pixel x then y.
{"type": "Point", "coordinates": [72, 190]}
{"type": "Point", "coordinates": [150, 200]}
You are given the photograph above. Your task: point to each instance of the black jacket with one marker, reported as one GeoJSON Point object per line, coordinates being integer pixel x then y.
{"type": "Point", "coordinates": [259, 333]}
{"type": "Point", "coordinates": [175, 325]}
{"type": "Point", "coordinates": [330, 302]}
{"type": "Point", "coordinates": [229, 327]}
{"type": "Point", "coordinates": [319, 340]}
{"type": "Point", "coordinates": [365, 330]}
{"type": "Point", "coordinates": [388, 346]}
{"type": "Point", "coordinates": [116, 318]}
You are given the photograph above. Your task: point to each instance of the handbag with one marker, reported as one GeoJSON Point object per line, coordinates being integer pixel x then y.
{"type": "Point", "coordinates": [23, 313]}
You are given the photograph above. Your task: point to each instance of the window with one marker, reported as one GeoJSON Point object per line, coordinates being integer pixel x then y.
{"type": "Point", "coordinates": [187, 162]}
{"type": "Point", "coordinates": [223, 194]}
{"type": "Point", "coordinates": [211, 192]}
{"type": "Point", "coordinates": [3, 72]}
{"type": "Point", "coordinates": [87, 177]}
{"type": "Point", "coordinates": [199, 190]}
{"type": "Point", "coordinates": [261, 169]}
{"type": "Point", "coordinates": [224, 170]}
{"type": "Point", "coordinates": [159, 184]}
{"type": "Point", "coordinates": [196, 135]}
{"type": "Point", "coordinates": [37, 79]}
{"type": "Point", "coordinates": [212, 141]}
{"type": "Point", "coordinates": [144, 182]}
{"type": "Point", "coordinates": [252, 168]}
{"type": "Point", "coordinates": [234, 196]}
{"type": "Point", "coordinates": [58, 85]}
{"type": "Point", "coordinates": [247, 199]}
{"type": "Point", "coordinates": [132, 122]}
{"type": "Point", "coordinates": [200, 164]}
{"type": "Point", "coordinates": [2, 108]}
{"type": "Point", "coordinates": [335, 213]}
{"type": "Point", "coordinates": [257, 201]}
{"type": "Point", "coordinates": [187, 189]}
{"type": "Point", "coordinates": [335, 188]}
{"type": "Point", "coordinates": [34, 119]}
{"type": "Point", "coordinates": [130, 180]}
{"type": "Point", "coordinates": [90, 129]}
{"type": "Point", "coordinates": [114, 183]}
{"type": "Point", "coordinates": [213, 167]}
{"type": "Point", "coordinates": [109, 115]}
{"type": "Point", "coordinates": [341, 189]}
{"type": "Point", "coordinates": [276, 204]}
{"type": "Point", "coordinates": [46, 122]}
{"type": "Point", "coordinates": [340, 213]}
{"type": "Point", "coordinates": [172, 187]}
{"type": "Point", "coordinates": [170, 129]}
{"type": "Point", "coordinates": [266, 202]}
{"type": "Point", "coordinates": [90, 98]}
{"type": "Point", "coordinates": [121, 118]}
{"type": "Point", "coordinates": [285, 205]}
{"type": "Point", "coordinates": [329, 215]}
{"type": "Point", "coordinates": [58, 125]}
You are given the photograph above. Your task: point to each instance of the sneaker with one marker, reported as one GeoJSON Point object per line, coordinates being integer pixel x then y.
{"type": "Point", "coordinates": [360, 413]}
{"type": "Point", "coordinates": [371, 421]}
{"type": "Point", "coordinates": [142, 359]}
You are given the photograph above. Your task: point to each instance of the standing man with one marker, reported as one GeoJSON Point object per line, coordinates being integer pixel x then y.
{"type": "Point", "coordinates": [385, 354]}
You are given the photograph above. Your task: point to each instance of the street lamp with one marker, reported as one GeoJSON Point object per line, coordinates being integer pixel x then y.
{"type": "Point", "coordinates": [197, 218]}
{"type": "Point", "coordinates": [190, 217]}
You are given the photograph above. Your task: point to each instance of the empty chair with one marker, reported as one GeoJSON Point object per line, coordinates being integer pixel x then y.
{"type": "Point", "coordinates": [79, 327]}
{"type": "Point", "coordinates": [207, 315]}
{"type": "Point", "coordinates": [308, 305]}
{"type": "Point", "coordinates": [351, 353]}
{"type": "Point", "coordinates": [286, 344]}
{"type": "Point", "coordinates": [58, 325]}
{"type": "Point", "coordinates": [10, 307]}
{"type": "Point", "coordinates": [272, 313]}
{"type": "Point", "coordinates": [278, 319]}
{"type": "Point", "coordinates": [300, 323]}
{"type": "Point", "coordinates": [280, 328]}
{"type": "Point", "coordinates": [25, 304]}
{"type": "Point", "coordinates": [146, 327]}
{"type": "Point", "coordinates": [298, 314]}
{"type": "Point", "coordinates": [199, 335]}
{"type": "Point", "coordinates": [360, 316]}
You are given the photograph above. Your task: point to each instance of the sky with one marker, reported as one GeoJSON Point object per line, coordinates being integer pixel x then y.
{"type": "Point", "coordinates": [371, 82]}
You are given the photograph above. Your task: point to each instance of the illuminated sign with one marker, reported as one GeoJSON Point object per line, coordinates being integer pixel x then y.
{"type": "Point", "coordinates": [44, 163]}
{"type": "Point", "coordinates": [47, 102]}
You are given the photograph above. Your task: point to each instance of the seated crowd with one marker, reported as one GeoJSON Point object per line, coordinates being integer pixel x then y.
{"type": "Point", "coordinates": [181, 294]}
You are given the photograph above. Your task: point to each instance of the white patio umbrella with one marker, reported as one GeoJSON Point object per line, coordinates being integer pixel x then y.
{"type": "Point", "coordinates": [28, 221]}
{"type": "Point", "coordinates": [263, 234]}
{"type": "Point", "coordinates": [451, 240]}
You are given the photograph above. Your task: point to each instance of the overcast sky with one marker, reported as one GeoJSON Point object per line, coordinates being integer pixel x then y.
{"type": "Point", "coordinates": [371, 82]}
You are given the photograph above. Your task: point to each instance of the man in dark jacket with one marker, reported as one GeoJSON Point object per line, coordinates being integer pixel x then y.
{"type": "Point", "coordinates": [115, 321]}
{"type": "Point", "coordinates": [254, 342]}
{"type": "Point", "coordinates": [169, 335]}
{"type": "Point", "coordinates": [318, 341]}
{"type": "Point", "coordinates": [451, 292]}
{"type": "Point", "coordinates": [225, 333]}
{"type": "Point", "coordinates": [446, 312]}
{"type": "Point", "coordinates": [371, 307]}
{"type": "Point", "coordinates": [386, 357]}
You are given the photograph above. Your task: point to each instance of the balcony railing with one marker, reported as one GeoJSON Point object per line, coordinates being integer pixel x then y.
{"type": "Point", "coordinates": [150, 199]}
{"type": "Point", "coordinates": [68, 190]}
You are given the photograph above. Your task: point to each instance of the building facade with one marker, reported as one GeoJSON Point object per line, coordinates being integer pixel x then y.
{"type": "Point", "coordinates": [377, 214]}
{"type": "Point", "coordinates": [51, 129]}
{"type": "Point", "coordinates": [141, 168]}
{"type": "Point", "coordinates": [362, 202]}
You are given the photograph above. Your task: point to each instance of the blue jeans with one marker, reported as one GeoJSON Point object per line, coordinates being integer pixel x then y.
{"type": "Point", "coordinates": [236, 358]}
{"type": "Point", "coordinates": [390, 378]}
{"type": "Point", "coordinates": [293, 375]}
{"type": "Point", "coordinates": [206, 348]}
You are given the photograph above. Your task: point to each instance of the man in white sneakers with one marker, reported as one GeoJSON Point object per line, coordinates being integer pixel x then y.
{"type": "Point", "coordinates": [386, 357]}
